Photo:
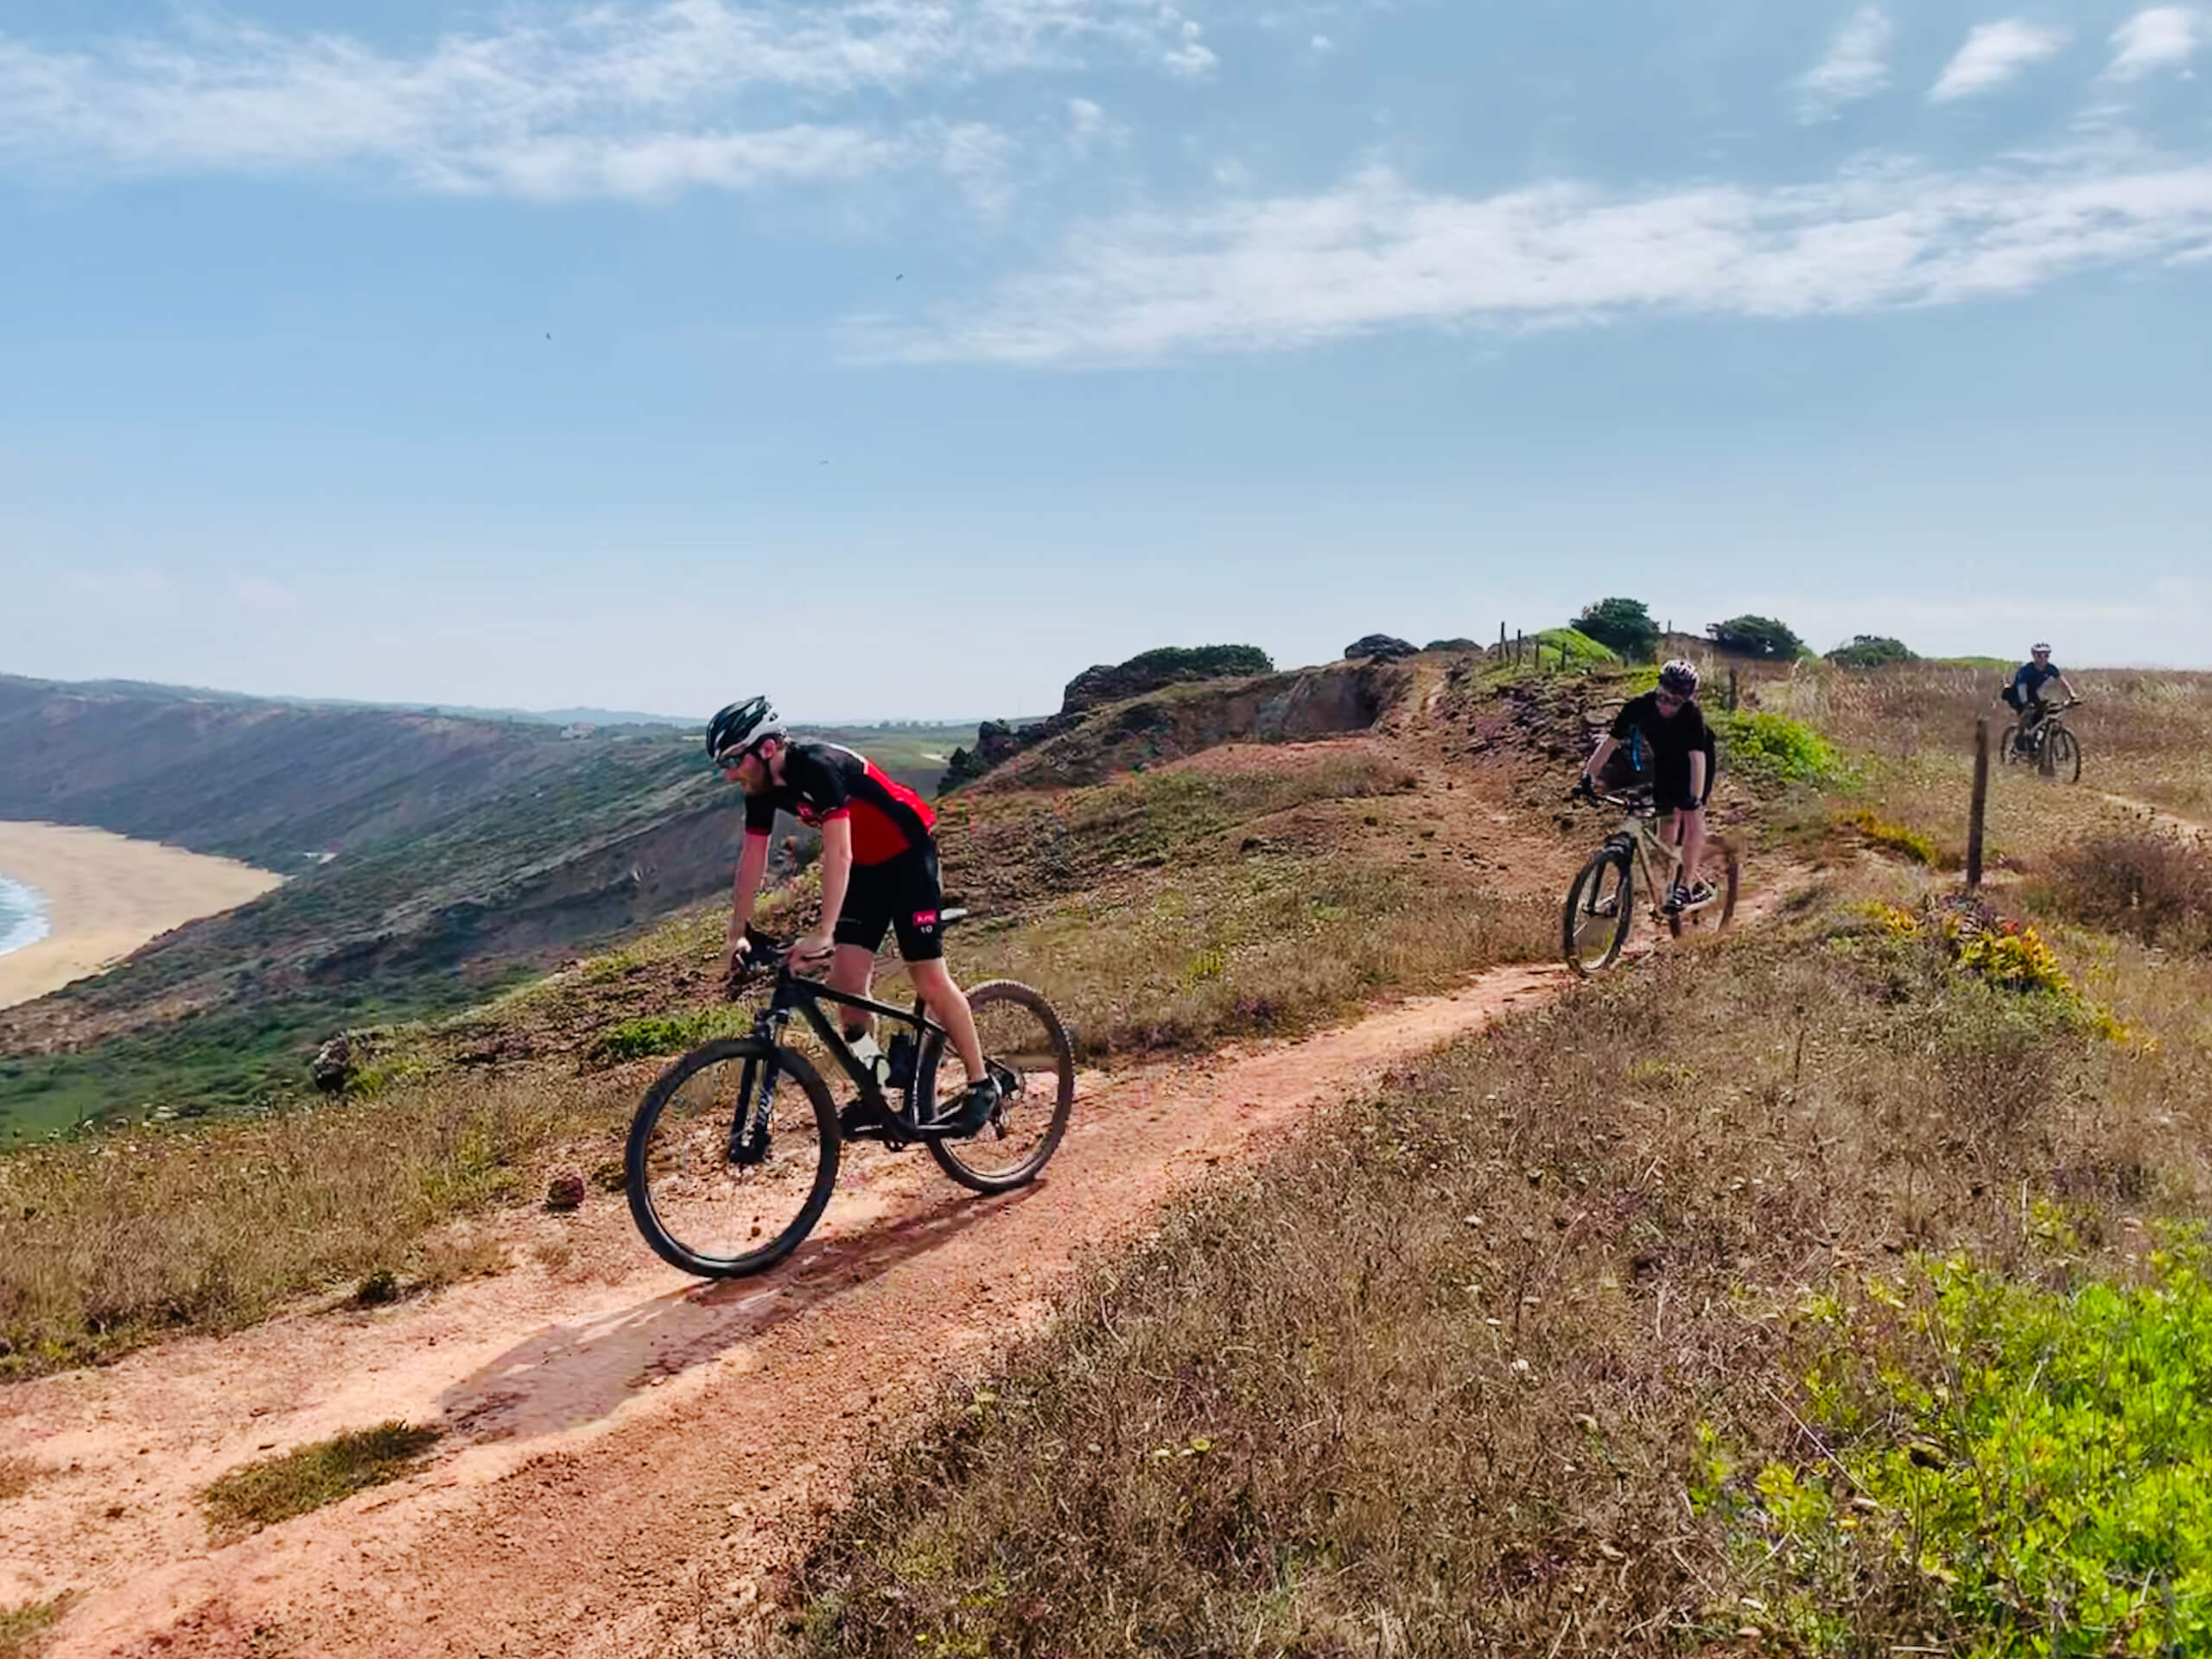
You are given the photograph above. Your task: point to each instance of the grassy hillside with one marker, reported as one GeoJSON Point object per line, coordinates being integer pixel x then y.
{"type": "Point", "coordinates": [1842, 1290]}
{"type": "Point", "coordinates": [429, 860]}
{"type": "Point", "coordinates": [1248, 889]}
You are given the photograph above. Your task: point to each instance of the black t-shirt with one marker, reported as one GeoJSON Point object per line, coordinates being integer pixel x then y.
{"type": "Point", "coordinates": [1672, 738]}
{"type": "Point", "coordinates": [823, 781]}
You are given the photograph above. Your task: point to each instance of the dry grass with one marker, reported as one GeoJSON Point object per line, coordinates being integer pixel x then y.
{"type": "Point", "coordinates": [1440, 1378]}
{"type": "Point", "coordinates": [105, 1242]}
{"type": "Point", "coordinates": [2156, 887]}
{"type": "Point", "coordinates": [1910, 731]}
{"type": "Point", "coordinates": [16, 1476]}
{"type": "Point", "coordinates": [260, 1494]}
{"type": "Point", "coordinates": [23, 1629]}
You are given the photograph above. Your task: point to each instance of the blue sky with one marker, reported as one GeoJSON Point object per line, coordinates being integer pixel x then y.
{"type": "Point", "coordinates": [903, 356]}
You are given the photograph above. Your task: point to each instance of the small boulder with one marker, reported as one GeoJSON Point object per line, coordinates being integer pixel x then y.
{"type": "Point", "coordinates": [333, 1067]}
{"type": "Point", "coordinates": [566, 1193]}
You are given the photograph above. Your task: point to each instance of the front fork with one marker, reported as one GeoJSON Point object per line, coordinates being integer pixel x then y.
{"type": "Point", "coordinates": [756, 1091]}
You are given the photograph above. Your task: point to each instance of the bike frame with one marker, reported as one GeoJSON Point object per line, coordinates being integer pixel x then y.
{"type": "Point", "coordinates": [1638, 836]}
{"type": "Point", "coordinates": [796, 993]}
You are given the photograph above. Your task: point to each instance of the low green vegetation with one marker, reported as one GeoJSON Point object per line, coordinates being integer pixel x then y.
{"type": "Point", "coordinates": [261, 1494]}
{"type": "Point", "coordinates": [1774, 750]}
{"type": "Point", "coordinates": [1575, 649]}
{"type": "Point", "coordinates": [2032, 1465]}
{"type": "Point", "coordinates": [669, 1033]}
{"type": "Point", "coordinates": [1900, 839]}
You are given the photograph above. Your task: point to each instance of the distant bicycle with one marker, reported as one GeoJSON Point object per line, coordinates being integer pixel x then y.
{"type": "Point", "coordinates": [732, 1154]}
{"type": "Point", "coordinates": [1601, 905]}
{"type": "Point", "coordinates": [2049, 744]}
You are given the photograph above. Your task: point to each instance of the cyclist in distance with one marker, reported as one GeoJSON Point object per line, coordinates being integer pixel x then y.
{"type": "Point", "coordinates": [879, 871]}
{"type": "Point", "coordinates": [2026, 692]}
{"type": "Point", "coordinates": [1669, 727]}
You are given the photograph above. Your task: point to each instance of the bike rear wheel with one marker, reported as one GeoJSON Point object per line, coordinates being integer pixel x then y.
{"type": "Point", "coordinates": [1029, 1052]}
{"type": "Point", "coordinates": [2008, 745]}
{"type": "Point", "coordinates": [711, 1202]}
{"type": "Point", "coordinates": [2062, 756]}
{"type": "Point", "coordinates": [1600, 910]}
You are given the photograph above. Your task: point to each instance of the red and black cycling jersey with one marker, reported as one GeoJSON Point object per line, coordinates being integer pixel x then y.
{"type": "Point", "coordinates": [823, 781]}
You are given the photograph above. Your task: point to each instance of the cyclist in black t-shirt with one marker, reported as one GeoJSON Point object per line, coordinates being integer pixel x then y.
{"type": "Point", "coordinates": [878, 872]}
{"type": "Point", "coordinates": [1667, 725]}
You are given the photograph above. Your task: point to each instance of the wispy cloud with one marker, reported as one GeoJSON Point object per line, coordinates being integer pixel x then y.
{"type": "Point", "coordinates": [2161, 37]}
{"type": "Point", "coordinates": [608, 99]}
{"type": "Point", "coordinates": [1994, 53]}
{"type": "Point", "coordinates": [1377, 253]}
{"type": "Point", "coordinates": [1853, 69]}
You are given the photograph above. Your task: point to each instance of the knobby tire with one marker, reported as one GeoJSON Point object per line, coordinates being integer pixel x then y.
{"type": "Point", "coordinates": [1048, 1075]}
{"type": "Point", "coordinates": [702, 1164]}
{"type": "Point", "coordinates": [1592, 889]}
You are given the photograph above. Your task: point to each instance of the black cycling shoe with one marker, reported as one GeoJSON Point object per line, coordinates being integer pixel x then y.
{"type": "Point", "coordinates": [973, 1109]}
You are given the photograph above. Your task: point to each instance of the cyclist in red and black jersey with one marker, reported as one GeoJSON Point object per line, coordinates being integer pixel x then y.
{"type": "Point", "coordinates": [878, 872]}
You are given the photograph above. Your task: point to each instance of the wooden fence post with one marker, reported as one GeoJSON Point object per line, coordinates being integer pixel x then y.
{"type": "Point", "coordinates": [1731, 690]}
{"type": "Point", "coordinates": [1980, 803]}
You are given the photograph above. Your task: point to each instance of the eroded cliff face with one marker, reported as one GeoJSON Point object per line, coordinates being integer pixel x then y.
{"type": "Point", "coordinates": [1085, 744]}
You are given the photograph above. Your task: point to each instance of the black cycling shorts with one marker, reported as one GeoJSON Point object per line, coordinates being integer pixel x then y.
{"type": "Point", "coordinates": [1671, 783]}
{"type": "Point", "coordinates": [901, 893]}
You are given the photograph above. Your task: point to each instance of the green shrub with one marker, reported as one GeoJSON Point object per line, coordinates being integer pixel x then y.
{"type": "Point", "coordinates": [1773, 749]}
{"type": "Point", "coordinates": [2038, 1460]}
{"type": "Point", "coordinates": [1757, 636]}
{"type": "Point", "coordinates": [1871, 650]}
{"type": "Point", "coordinates": [1624, 626]}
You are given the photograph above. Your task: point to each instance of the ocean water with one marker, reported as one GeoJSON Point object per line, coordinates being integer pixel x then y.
{"type": "Point", "coordinates": [22, 916]}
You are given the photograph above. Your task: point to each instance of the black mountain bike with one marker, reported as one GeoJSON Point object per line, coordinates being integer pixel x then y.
{"type": "Point", "coordinates": [1601, 905]}
{"type": "Point", "coordinates": [2050, 745]}
{"type": "Point", "coordinates": [733, 1153]}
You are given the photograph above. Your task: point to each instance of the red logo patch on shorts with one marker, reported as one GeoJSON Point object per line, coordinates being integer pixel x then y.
{"type": "Point", "coordinates": [926, 918]}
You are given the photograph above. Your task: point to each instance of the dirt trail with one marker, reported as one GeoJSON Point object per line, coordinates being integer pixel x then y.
{"type": "Point", "coordinates": [624, 1446]}
{"type": "Point", "coordinates": [2157, 816]}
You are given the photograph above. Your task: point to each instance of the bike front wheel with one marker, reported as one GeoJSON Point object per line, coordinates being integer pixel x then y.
{"type": "Point", "coordinates": [1600, 910]}
{"type": "Point", "coordinates": [712, 1197]}
{"type": "Point", "coordinates": [2063, 757]}
{"type": "Point", "coordinates": [1029, 1052]}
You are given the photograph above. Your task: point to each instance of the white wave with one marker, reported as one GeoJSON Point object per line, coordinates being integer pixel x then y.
{"type": "Point", "coordinates": [22, 916]}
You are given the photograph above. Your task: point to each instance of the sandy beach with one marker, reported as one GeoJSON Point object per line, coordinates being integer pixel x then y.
{"type": "Point", "coordinates": [105, 895]}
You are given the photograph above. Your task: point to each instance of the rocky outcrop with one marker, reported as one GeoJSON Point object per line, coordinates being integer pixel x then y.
{"type": "Point", "coordinates": [1151, 671]}
{"type": "Point", "coordinates": [1379, 648]}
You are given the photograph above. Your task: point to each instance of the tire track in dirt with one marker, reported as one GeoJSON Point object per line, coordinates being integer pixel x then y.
{"type": "Point", "coordinates": [625, 1453]}
{"type": "Point", "coordinates": [2157, 816]}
